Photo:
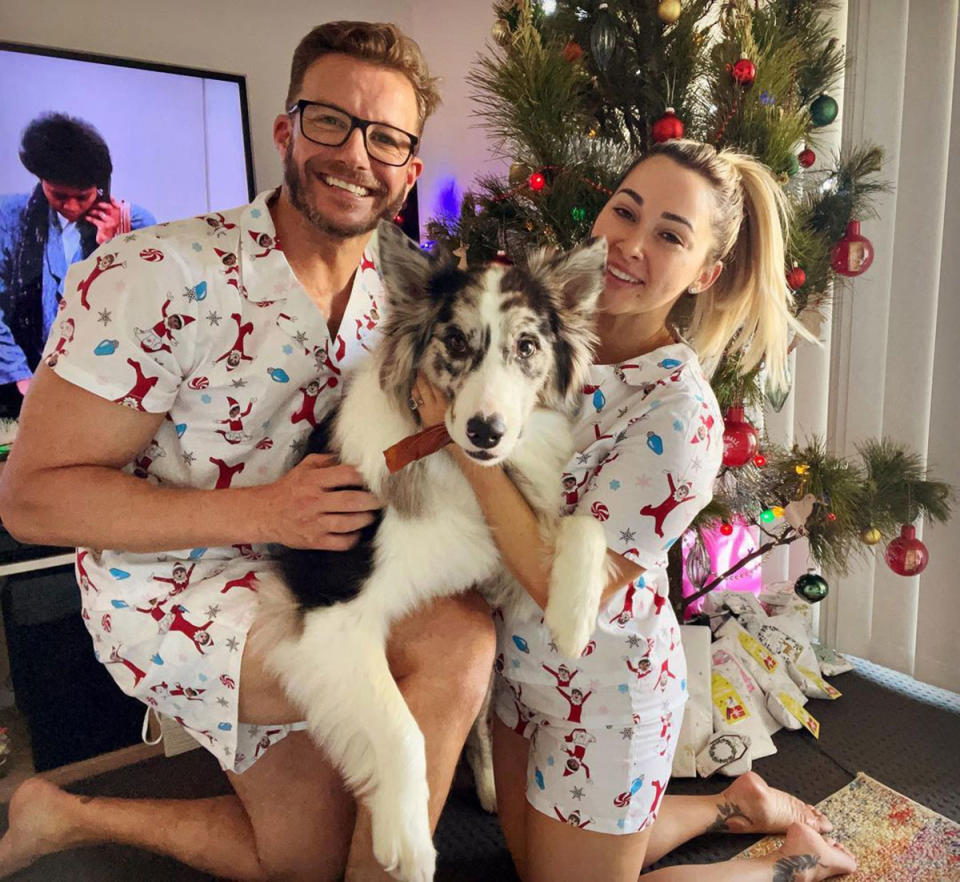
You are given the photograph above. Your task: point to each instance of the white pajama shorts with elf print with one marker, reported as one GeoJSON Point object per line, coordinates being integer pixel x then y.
{"type": "Point", "coordinates": [602, 727]}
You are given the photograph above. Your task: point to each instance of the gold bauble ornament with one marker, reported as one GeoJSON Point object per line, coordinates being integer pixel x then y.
{"type": "Point", "coordinates": [519, 173]}
{"type": "Point", "coordinates": [669, 11]}
{"type": "Point", "coordinates": [871, 536]}
{"type": "Point", "coordinates": [501, 32]}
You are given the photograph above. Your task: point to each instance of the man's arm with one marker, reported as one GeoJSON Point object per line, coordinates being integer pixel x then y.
{"type": "Point", "coordinates": [63, 485]}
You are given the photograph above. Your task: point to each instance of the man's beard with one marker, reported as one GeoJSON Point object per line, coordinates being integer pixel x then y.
{"type": "Point", "coordinates": [293, 177]}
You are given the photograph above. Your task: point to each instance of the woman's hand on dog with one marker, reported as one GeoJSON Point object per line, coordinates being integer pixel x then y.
{"type": "Point", "coordinates": [431, 403]}
{"type": "Point", "coordinates": [320, 503]}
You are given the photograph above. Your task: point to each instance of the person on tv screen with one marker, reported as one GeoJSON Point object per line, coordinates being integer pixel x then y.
{"type": "Point", "coordinates": [67, 216]}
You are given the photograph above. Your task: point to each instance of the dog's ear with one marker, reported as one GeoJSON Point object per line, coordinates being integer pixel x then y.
{"type": "Point", "coordinates": [579, 275]}
{"type": "Point", "coordinates": [404, 266]}
{"type": "Point", "coordinates": [575, 280]}
{"type": "Point", "coordinates": [411, 307]}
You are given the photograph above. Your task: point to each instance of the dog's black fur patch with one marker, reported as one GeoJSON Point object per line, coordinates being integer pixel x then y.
{"type": "Point", "coordinates": [320, 578]}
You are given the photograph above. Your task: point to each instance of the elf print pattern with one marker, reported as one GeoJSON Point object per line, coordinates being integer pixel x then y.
{"type": "Point", "coordinates": [201, 320]}
{"type": "Point", "coordinates": [601, 726]}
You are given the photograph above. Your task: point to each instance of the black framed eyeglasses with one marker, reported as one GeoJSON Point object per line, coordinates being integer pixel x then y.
{"type": "Point", "coordinates": [330, 125]}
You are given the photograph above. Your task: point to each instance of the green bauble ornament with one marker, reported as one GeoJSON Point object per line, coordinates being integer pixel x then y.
{"type": "Point", "coordinates": [811, 587]}
{"type": "Point", "coordinates": [824, 110]}
{"type": "Point", "coordinates": [578, 213]}
{"type": "Point", "coordinates": [793, 165]}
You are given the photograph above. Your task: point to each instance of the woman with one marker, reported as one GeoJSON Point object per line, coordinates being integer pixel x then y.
{"type": "Point", "coordinates": [583, 747]}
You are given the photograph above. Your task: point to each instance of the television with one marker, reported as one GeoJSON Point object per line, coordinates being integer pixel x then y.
{"type": "Point", "coordinates": [179, 145]}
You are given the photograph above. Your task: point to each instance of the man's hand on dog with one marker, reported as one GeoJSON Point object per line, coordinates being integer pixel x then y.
{"type": "Point", "coordinates": [431, 403]}
{"type": "Point", "coordinates": [320, 503]}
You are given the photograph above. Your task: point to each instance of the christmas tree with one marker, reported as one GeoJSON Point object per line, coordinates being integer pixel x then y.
{"type": "Point", "coordinates": [573, 91]}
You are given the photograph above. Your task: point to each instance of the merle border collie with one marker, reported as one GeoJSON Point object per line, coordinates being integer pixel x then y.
{"type": "Point", "coordinates": [510, 346]}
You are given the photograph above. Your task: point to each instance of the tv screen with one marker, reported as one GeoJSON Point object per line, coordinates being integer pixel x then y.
{"type": "Point", "coordinates": [90, 148]}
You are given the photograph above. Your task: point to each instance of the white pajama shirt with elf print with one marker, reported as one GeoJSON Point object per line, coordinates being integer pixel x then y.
{"type": "Point", "coordinates": [204, 321]}
{"type": "Point", "coordinates": [603, 727]}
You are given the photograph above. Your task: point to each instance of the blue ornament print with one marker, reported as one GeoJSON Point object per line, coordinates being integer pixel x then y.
{"type": "Point", "coordinates": [520, 643]}
{"type": "Point", "coordinates": [106, 347]}
{"type": "Point", "coordinates": [599, 400]}
{"type": "Point", "coordinates": [119, 574]}
{"type": "Point", "coordinates": [668, 363]}
{"type": "Point", "coordinates": [655, 442]}
{"type": "Point", "coordinates": [278, 375]}
{"type": "Point", "coordinates": [538, 777]}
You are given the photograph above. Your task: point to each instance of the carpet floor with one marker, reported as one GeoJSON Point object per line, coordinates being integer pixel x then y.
{"type": "Point", "coordinates": [893, 837]}
{"type": "Point", "coordinates": [903, 733]}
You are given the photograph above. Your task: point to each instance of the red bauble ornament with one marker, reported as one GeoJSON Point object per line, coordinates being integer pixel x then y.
{"type": "Point", "coordinates": [906, 555]}
{"type": "Point", "coordinates": [537, 181]}
{"type": "Point", "coordinates": [726, 529]}
{"type": "Point", "coordinates": [667, 127]}
{"type": "Point", "coordinates": [759, 460]}
{"type": "Point", "coordinates": [796, 278]}
{"type": "Point", "coordinates": [744, 72]}
{"type": "Point", "coordinates": [806, 158]}
{"type": "Point", "coordinates": [739, 439]}
{"type": "Point", "coordinates": [853, 254]}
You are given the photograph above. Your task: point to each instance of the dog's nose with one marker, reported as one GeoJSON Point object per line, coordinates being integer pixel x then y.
{"type": "Point", "coordinates": [485, 432]}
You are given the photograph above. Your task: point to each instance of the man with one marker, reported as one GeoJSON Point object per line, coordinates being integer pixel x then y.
{"type": "Point", "coordinates": [64, 219]}
{"type": "Point", "coordinates": [273, 289]}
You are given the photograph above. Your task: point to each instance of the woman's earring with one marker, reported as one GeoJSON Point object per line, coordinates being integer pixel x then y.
{"type": "Point", "coordinates": [693, 289]}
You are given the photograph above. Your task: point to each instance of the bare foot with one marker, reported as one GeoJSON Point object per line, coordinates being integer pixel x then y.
{"type": "Point", "coordinates": [806, 856]}
{"type": "Point", "coordinates": [750, 805]}
{"type": "Point", "coordinates": [40, 820]}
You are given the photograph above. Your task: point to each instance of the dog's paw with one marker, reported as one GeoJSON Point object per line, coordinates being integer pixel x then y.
{"type": "Point", "coordinates": [571, 631]}
{"type": "Point", "coordinates": [401, 840]}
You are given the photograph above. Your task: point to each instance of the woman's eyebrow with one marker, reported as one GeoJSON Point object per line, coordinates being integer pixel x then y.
{"type": "Point", "coordinates": [666, 215]}
{"type": "Point", "coordinates": [678, 218]}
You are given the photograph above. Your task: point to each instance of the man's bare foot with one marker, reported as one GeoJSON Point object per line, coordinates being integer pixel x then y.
{"type": "Point", "coordinates": [806, 856]}
{"type": "Point", "coordinates": [41, 820]}
{"type": "Point", "coordinates": [750, 805]}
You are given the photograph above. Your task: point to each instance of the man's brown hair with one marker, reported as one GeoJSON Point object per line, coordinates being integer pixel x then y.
{"type": "Point", "coordinates": [376, 42]}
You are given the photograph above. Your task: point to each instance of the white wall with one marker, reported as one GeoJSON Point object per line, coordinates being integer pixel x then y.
{"type": "Point", "coordinates": [257, 39]}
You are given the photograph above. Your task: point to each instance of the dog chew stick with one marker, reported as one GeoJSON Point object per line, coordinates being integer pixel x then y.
{"type": "Point", "coordinates": [415, 447]}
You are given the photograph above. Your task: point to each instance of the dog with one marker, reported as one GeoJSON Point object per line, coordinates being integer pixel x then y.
{"type": "Point", "coordinates": [510, 347]}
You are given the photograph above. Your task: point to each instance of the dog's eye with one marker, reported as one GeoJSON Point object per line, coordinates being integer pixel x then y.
{"type": "Point", "coordinates": [455, 342]}
{"type": "Point", "coordinates": [527, 346]}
